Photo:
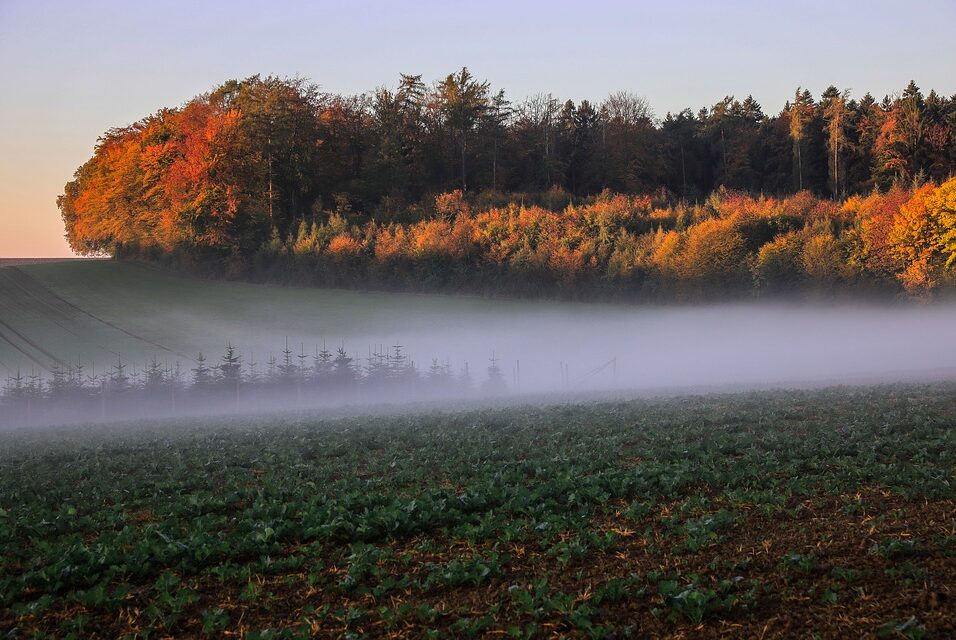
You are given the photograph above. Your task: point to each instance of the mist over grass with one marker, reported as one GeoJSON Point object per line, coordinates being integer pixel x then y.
{"type": "Point", "coordinates": [97, 313]}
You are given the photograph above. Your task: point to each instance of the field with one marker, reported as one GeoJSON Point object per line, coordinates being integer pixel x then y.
{"type": "Point", "coordinates": [96, 311]}
{"type": "Point", "coordinates": [824, 513]}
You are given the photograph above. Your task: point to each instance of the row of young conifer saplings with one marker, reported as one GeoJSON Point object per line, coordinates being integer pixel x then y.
{"type": "Point", "coordinates": [293, 380]}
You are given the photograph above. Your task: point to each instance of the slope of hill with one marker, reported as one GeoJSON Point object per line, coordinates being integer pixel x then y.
{"type": "Point", "coordinates": [96, 311]}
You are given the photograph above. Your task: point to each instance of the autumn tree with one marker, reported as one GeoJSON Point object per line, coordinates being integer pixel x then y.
{"type": "Point", "coordinates": [278, 145]}
{"type": "Point", "coordinates": [870, 247]}
{"type": "Point", "coordinates": [269, 177]}
{"type": "Point", "coordinates": [494, 128]}
{"type": "Point", "coordinates": [863, 130]}
{"type": "Point", "coordinates": [822, 260]}
{"type": "Point", "coordinates": [732, 129]}
{"type": "Point", "coordinates": [835, 116]}
{"type": "Point", "coordinates": [923, 238]}
{"type": "Point", "coordinates": [944, 206]}
{"type": "Point", "coordinates": [685, 165]}
{"type": "Point", "coordinates": [798, 114]}
{"type": "Point", "coordinates": [534, 131]}
{"type": "Point", "coordinates": [939, 137]}
{"type": "Point", "coordinates": [464, 100]}
{"type": "Point", "coordinates": [201, 188]}
{"type": "Point", "coordinates": [778, 264]}
{"type": "Point", "coordinates": [627, 140]}
{"type": "Point", "coordinates": [713, 255]}
{"type": "Point", "coordinates": [395, 164]}
{"type": "Point", "coordinates": [899, 153]}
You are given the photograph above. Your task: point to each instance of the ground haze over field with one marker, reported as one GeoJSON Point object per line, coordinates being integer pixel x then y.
{"type": "Point", "coordinates": [96, 311]}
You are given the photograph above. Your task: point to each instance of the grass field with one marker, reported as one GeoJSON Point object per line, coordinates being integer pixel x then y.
{"type": "Point", "coordinates": [775, 514]}
{"type": "Point", "coordinates": [95, 311]}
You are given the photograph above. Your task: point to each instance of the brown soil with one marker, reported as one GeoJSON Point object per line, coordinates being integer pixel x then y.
{"type": "Point", "coordinates": [849, 589]}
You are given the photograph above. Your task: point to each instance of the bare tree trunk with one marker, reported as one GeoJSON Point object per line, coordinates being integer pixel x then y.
{"type": "Point", "coordinates": [836, 169]}
{"type": "Point", "coordinates": [494, 164]}
{"type": "Point", "coordinates": [799, 168]}
{"type": "Point", "coordinates": [723, 146]}
{"type": "Point", "coordinates": [271, 218]}
{"type": "Point", "coordinates": [464, 180]}
{"type": "Point", "coordinates": [683, 171]}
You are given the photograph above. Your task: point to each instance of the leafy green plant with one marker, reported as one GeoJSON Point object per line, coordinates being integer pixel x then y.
{"type": "Point", "coordinates": [910, 629]}
{"type": "Point", "coordinates": [170, 519]}
{"type": "Point", "coordinates": [692, 601]}
{"type": "Point", "coordinates": [893, 548]}
{"type": "Point", "coordinates": [214, 621]}
{"type": "Point", "coordinates": [802, 562]}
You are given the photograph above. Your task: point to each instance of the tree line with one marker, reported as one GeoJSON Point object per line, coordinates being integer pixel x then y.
{"type": "Point", "coordinates": [295, 379]}
{"type": "Point", "coordinates": [249, 165]}
{"type": "Point", "coordinates": [614, 246]}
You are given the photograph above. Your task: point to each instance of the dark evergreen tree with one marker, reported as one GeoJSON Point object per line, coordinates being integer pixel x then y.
{"type": "Point", "coordinates": [230, 368]}
{"type": "Point", "coordinates": [495, 382]}
{"type": "Point", "coordinates": [204, 377]}
{"type": "Point", "coordinates": [343, 370]}
{"type": "Point", "coordinates": [321, 366]}
{"type": "Point", "coordinates": [288, 372]}
{"type": "Point", "coordinates": [119, 382]}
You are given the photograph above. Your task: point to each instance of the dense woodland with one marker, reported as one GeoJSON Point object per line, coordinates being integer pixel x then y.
{"type": "Point", "coordinates": [452, 186]}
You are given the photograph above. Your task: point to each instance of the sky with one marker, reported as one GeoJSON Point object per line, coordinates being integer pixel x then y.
{"type": "Point", "coordinates": [71, 70]}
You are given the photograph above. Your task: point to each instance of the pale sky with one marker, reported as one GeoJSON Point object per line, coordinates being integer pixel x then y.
{"type": "Point", "coordinates": [71, 70]}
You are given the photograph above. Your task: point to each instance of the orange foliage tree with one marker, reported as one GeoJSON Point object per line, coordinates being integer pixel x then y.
{"type": "Point", "coordinates": [923, 238]}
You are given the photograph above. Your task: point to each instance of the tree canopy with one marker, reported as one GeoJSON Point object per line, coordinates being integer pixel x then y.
{"type": "Point", "coordinates": [267, 162]}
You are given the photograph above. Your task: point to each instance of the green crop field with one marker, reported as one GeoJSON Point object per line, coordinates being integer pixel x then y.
{"type": "Point", "coordinates": [774, 514]}
{"type": "Point", "coordinates": [95, 311]}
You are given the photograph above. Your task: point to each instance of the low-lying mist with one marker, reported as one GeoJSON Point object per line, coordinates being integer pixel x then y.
{"type": "Point", "coordinates": [590, 347]}
{"type": "Point", "coordinates": [598, 347]}
{"type": "Point", "coordinates": [721, 346]}
{"type": "Point", "coordinates": [560, 350]}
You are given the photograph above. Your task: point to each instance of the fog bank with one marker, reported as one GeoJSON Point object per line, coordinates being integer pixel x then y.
{"type": "Point", "coordinates": [713, 346]}
{"type": "Point", "coordinates": [554, 350]}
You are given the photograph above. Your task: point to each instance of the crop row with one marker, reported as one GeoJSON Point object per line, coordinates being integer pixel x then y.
{"type": "Point", "coordinates": [649, 516]}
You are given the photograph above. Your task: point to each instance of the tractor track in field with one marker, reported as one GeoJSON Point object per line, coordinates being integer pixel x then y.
{"type": "Point", "coordinates": [19, 349]}
{"type": "Point", "coordinates": [55, 312]}
{"type": "Point", "coordinates": [3, 364]}
{"type": "Point", "coordinates": [32, 284]}
{"type": "Point", "coordinates": [26, 340]}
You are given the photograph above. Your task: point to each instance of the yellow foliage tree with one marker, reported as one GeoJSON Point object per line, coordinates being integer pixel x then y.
{"type": "Point", "coordinates": [713, 253]}
{"type": "Point", "coordinates": [666, 252]}
{"type": "Point", "coordinates": [778, 265]}
{"type": "Point", "coordinates": [822, 259]}
{"type": "Point", "coordinates": [944, 204]}
{"type": "Point", "coordinates": [923, 237]}
{"type": "Point", "coordinates": [343, 247]}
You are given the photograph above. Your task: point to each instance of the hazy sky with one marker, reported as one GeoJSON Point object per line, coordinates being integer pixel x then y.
{"type": "Point", "coordinates": [71, 70]}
